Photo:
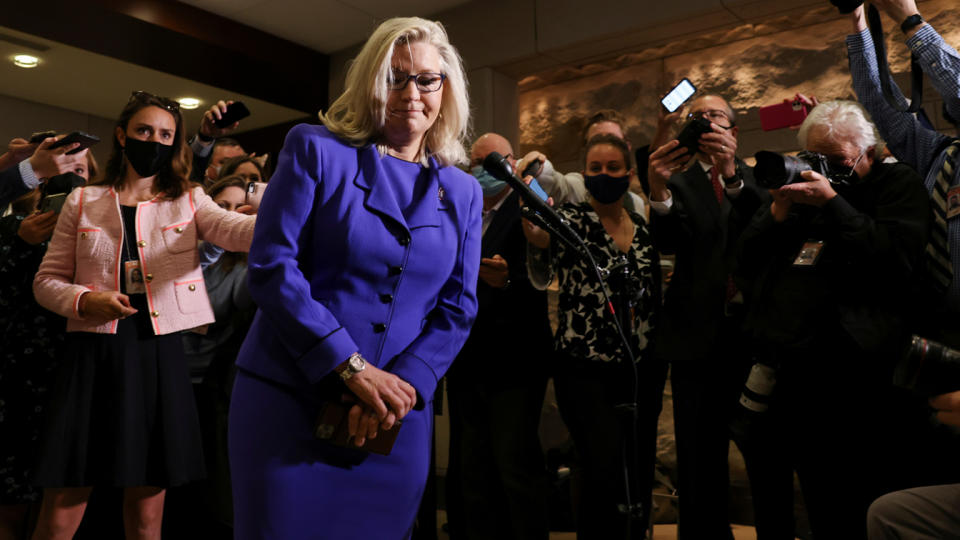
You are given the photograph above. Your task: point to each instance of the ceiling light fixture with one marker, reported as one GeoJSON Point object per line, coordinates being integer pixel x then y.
{"type": "Point", "coordinates": [189, 102]}
{"type": "Point", "coordinates": [26, 61]}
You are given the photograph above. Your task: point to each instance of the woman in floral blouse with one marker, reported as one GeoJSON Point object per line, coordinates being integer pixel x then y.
{"type": "Point", "coordinates": [593, 374]}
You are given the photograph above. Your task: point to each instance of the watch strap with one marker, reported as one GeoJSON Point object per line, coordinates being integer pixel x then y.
{"type": "Point", "coordinates": [911, 22]}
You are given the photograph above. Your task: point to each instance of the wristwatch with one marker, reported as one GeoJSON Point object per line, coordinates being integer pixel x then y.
{"type": "Point", "coordinates": [355, 364]}
{"type": "Point", "coordinates": [737, 176]}
{"type": "Point", "coordinates": [911, 22]}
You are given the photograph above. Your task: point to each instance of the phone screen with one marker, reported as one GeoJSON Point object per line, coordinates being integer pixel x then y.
{"type": "Point", "coordinates": [535, 186]}
{"type": "Point", "coordinates": [679, 95]}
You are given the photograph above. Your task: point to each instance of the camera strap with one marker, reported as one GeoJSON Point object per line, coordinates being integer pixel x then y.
{"type": "Point", "coordinates": [916, 72]}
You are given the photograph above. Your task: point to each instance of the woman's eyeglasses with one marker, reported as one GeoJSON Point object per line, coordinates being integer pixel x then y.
{"type": "Point", "coordinates": [146, 97]}
{"type": "Point", "coordinates": [426, 82]}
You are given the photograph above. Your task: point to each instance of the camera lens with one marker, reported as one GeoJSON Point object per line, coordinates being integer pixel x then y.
{"type": "Point", "coordinates": [775, 170]}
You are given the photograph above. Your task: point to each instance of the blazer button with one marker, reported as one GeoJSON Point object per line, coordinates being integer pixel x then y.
{"type": "Point", "coordinates": [404, 240]}
{"type": "Point", "coordinates": [83, 235]}
{"type": "Point", "coordinates": [154, 314]}
{"type": "Point", "coordinates": [142, 243]}
{"type": "Point", "coordinates": [379, 327]}
{"type": "Point", "coordinates": [396, 270]}
{"type": "Point", "coordinates": [178, 230]}
{"type": "Point", "coordinates": [148, 277]}
{"type": "Point", "coordinates": [192, 287]}
{"type": "Point", "coordinates": [386, 298]}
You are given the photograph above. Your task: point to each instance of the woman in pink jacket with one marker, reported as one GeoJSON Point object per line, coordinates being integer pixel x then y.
{"type": "Point", "coordinates": [122, 266]}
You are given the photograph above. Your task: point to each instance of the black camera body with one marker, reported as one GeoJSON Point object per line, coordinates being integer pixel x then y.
{"type": "Point", "coordinates": [689, 136]}
{"type": "Point", "coordinates": [847, 6]}
{"type": "Point", "coordinates": [774, 170]}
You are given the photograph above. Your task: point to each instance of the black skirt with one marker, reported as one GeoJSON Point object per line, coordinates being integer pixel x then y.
{"type": "Point", "coordinates": [122, 412]}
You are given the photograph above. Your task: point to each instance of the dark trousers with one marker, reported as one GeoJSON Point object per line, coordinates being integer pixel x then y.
{"type": "Point", "coordinates": [705, 394]}
{"type": "Point", "coordinates": [587, 392]}
{"type": "Point", "coordinates": [497, 479]}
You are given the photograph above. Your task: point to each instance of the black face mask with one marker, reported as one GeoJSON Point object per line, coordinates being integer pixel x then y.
{"type": "Point", "coordinates": [607, 189]}
{"type": "Point", "coordinates": [147, 157]}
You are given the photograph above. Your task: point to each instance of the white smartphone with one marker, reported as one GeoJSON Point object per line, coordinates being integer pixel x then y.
{"type": "Point", "coordinates": [678, 95]}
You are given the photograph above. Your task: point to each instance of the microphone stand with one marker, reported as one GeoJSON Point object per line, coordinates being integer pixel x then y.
{"type": "Point", "coordinates": [538, 210]}
{"type": "Point", "coordinates": [635, 512]}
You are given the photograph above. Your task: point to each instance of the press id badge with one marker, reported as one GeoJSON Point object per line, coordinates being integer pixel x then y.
{"type": "Point", "coordinates": [809, 253]}
{"type": "Point", "coordinates": [134, 277]}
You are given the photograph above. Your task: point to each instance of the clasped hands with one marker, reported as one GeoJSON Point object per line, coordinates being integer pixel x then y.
{"type": "Point", "coordinates": [384, 399]}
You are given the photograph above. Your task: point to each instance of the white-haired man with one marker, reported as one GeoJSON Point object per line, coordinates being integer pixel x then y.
{"type": "Point", "coordinates": [834, 260]}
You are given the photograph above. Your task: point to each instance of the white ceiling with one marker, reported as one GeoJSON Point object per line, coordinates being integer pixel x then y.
{"type": "Point", "coordinates": [323, 25]}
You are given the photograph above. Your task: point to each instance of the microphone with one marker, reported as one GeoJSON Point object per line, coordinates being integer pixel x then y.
{"type": "Point", "coordinates": [500, 168]}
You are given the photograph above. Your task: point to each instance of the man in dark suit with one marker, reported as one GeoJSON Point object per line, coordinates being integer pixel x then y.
{"type": "Point", "coordinates": [697, 214]}
{"type": "Point", "coordinates": [497, 476]}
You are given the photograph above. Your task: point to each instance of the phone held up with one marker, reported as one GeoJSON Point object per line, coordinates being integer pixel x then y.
{"type": "Point", "coordinates": [236, 111]}
{"type": "Point", "coordinates": [532, 170]}
{"type": "Point", "coordinates": [791, 112]}
{"type": "Point", "coordinates": [678, 95]}
{"type": "Point", "coordinates": [86, 140]}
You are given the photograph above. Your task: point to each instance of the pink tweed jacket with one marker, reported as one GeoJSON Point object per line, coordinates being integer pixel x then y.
{"type": "Point", "coordinates": [84, 255]}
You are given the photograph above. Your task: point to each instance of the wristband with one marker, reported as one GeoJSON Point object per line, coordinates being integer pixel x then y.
{"type": "Point", "coordinates": [911, 22]}
{"type": "Point", "coordinates": [204, 138]}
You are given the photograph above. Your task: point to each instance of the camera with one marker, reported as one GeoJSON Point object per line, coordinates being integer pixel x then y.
{"type": "Point", "coordinates": [928, 368]}
{"type": "Point", "coordinates": [847, 6]}
{"type": "Point", "coordinates": [774, 170]}
{"type": "Point", "coordinates": [689, 136]}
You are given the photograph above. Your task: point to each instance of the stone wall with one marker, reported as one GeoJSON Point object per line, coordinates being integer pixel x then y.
{"type": "Point", "coordinates": [752, 65]}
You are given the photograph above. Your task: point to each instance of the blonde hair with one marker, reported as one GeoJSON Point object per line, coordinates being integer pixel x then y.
{"type": "Point", "coordinates": [359, 114]}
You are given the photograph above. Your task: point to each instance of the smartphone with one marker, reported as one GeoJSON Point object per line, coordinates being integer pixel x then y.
{"type": "Point", "coordinates": [791, 112]}
{"type": "Point", "coordinates": [530, 170]}
{"type": "Point", "coordinates": [53, 202]}
{"type": "Point", "coordinates": [86, 140]}
{"type": "Point", "coordinates": [678, 95]}
{"type": "Point", "coordinates": [255, 194]}
{"type": "Point", "coordinates": [236, 111]}
{"type": "Point", "coordinates": [39, 136]}
{"type": "Point", "coordinates": [535, 186]}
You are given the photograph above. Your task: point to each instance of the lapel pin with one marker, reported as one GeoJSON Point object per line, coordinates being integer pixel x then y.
{"type": "Point", "coordinates": [440, 194]}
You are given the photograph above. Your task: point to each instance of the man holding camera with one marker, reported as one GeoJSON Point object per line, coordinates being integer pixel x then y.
{"type": "Point", "coordinates": [834, 263]}
{"type": "Point", "coordinates": [697, 214]}
{"type": "Point", "coordinates": [932, 154]}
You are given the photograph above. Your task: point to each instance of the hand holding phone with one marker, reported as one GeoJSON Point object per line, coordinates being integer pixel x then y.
{"type": "Point", "coordinates": [235, 112]}
{"type": "Point", "coordinates": [86, 140]}
{"type": "Point", "coordinates": [255, 194]}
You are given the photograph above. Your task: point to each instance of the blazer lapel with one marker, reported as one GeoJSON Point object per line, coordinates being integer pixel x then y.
{"type": "Point", "coordinates": [379, 194]}
{"type": "Point", "coordinates": [425, 211]}
{"type": "Point", "coordinates": [381, 199]}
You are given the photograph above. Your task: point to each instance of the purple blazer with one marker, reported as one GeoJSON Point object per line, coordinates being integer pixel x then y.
{"type": "Point", "coordinates": [335, 268]}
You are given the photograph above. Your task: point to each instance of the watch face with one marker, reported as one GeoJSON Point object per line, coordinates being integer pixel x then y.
{"type": "Point", "coordinates": [357, 364]}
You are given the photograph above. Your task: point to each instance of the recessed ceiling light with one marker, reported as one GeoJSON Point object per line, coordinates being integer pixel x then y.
{"type": "Point", "coordinates": [26, 61]}
{"type": "Point", "coordinates": [189, 102]}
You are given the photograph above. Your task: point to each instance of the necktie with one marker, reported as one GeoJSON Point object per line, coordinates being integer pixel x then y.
{"type": "Point", "coordinates": [718, 192]}
{"type": "Point", "coordinates": [938, 248]}
{"type": "Point", "coordinates": [717, 185]}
